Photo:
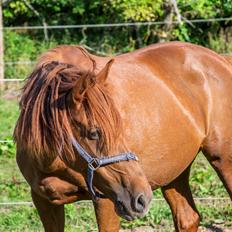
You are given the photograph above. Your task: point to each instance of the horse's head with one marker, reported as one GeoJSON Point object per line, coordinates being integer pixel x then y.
{"type": "Point", "coordinates": [98, 130]}
{"type": "Point", "coordinates": [74, 116]}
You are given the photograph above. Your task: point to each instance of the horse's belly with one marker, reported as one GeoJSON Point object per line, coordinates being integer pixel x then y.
{"type": "Point", "coordinates": [165, 150]}
{"type": "Point", "coordinates": [165, 158]}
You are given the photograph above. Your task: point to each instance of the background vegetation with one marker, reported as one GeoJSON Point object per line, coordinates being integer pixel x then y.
{"type": "Point", "coordinates": [25, 45]}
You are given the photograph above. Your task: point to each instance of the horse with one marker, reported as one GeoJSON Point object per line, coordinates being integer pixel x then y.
{"type": "Point", "coordinates": [228, 58]}
{"type": "Point", "coordinates": [85, 120]}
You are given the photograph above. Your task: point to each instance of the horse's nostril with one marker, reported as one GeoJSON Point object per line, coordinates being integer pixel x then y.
{"type": "Point", "coordinates": [140, 203]}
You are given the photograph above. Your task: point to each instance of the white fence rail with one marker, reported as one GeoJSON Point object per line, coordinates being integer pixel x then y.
{"type": "Point", "coordinates": [197, 199]}
{"type": "Point", "coordinates": [124, 24]}
{"type": "Point", "coordinates": [11, 80]}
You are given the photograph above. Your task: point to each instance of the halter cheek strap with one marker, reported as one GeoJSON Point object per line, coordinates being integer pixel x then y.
{"type": "Point", "coordinates": [95, 163]}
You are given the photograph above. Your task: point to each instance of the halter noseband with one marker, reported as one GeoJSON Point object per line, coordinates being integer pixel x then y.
{"type": "Point", "coordinates": [95, 163]}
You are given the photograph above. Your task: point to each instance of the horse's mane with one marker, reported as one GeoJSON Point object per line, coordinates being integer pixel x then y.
{"type": "Point", "coordinates": [46, 125]}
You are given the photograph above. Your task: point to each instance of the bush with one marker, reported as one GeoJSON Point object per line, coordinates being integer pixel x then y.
{"type": "Point", "coordinates": [20, 47]}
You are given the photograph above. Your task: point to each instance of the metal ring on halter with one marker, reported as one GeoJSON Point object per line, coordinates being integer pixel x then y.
{"type": "Point", "coordinates": [95, 163]}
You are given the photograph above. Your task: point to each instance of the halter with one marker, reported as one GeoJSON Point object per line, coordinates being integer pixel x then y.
{"type": "Point", "coordinates": [95, 163]}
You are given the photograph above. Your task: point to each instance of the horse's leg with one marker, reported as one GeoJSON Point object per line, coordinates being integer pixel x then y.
{"type": "Point", "coordinates": [179, 197]}
{"type": "Point", "coordinates": [220, 158]}
{"type": "Point", "coordinates": [107, 219]}
{"type": "Point", "coordinates": [52, 216]}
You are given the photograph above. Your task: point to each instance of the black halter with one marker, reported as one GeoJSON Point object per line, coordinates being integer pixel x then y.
{"type": "Point", "coordinates": [95, 163]}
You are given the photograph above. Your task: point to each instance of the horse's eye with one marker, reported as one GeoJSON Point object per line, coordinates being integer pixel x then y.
{"type": "Point", "coordinates": [94, 134]}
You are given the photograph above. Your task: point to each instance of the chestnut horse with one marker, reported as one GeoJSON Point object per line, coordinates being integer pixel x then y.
{"type": "Point", "coordinates": [228, 58]}
{"type": "Point", "coordinates": [164, 102]}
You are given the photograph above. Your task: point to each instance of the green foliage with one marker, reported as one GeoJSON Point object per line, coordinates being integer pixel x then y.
{"type": "Point", "coordinates": [134, 10]}
{"type": "Point", "coordinates": [227, 7]}
{"type": "Point", "coordinates": [21, 218]}
{"type": "Point", "coordinates": [14, 8]}
{"type": "Point", "coordinates": [24, 45]}
{"type": "Point", "coordinates": [201, 8]}
{"type": "Point", "coordinates": [7, 149]}
{"type": "Point", "coordinates": [113, 11]}
{"type": "Point", "coordinates": [8, 116]}
{"type": "Point", "coordinates": [181, 33]}
{"type": "Point", "coordinates": [29, 49]}
{"type": "Point", "coordinates": [204, 180]}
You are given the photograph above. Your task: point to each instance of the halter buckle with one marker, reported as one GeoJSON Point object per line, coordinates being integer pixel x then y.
{"type": "Point", "coordinates": [132, 156]}
{"type": "Point", "coordinates": [94, 164]}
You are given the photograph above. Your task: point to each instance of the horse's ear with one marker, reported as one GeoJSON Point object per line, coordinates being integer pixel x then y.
{"type": "Point", "coordinates": [79, 81]}
{"type": "Point", "coordinates": [86, 81]}
{"type": "Point", "coordinates": [102, 75]}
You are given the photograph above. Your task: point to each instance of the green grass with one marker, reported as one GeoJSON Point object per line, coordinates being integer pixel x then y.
{"type": "Point", "coordinates": [8, 115]}
{"type": "Point", "coordinates": [80, 217]}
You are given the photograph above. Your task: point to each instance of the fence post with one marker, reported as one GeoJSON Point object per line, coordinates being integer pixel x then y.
{"type": "Point", "coordinates": [1, 45]}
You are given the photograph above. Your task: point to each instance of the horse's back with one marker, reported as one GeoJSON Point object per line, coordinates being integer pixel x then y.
{"type": "Point", "coordinates": [228, 58]}
{"type": "Point", "coordinates": [196, 79]}
{"type": "Point", "coordinates": [169, 95]}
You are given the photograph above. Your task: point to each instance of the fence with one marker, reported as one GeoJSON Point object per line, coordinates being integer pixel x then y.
{"type": "Point", "coordinates": [203, 200]}
{"type": "Point", "coordinates": [107, 25]}
{"type": "Point", "coordinates": [114, 24]}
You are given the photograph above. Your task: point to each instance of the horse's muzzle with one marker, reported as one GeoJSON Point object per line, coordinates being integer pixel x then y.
{"type": "Point", "coordinates": [132, 207]}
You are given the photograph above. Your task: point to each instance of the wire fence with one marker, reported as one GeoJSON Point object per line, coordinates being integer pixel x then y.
{"type": "Point", "coordinates": [204, 200]}
{"type": "Point", "coordinates": [12, 80]}
{"type": "Point", "coordinates": [26, 62]}
{"type": "Point", "coordinates": [124, 24]}
{"type": "Point", "coordinates": [106, 25]}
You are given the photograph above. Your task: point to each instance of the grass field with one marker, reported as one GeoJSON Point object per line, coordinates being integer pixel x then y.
{"type": "Point", "coordinates": [80, 217]}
